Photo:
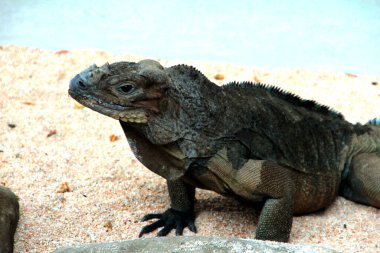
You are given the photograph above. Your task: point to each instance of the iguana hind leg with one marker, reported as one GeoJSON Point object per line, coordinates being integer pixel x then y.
{"type": "Point", "coordinates": [260, 181]}
{"type": "Point", "coordinates": [275, 221]}
{"type": "Point", "coordinates": [276, 218]}
{"type": "Point", "coordinates": [362, 183]}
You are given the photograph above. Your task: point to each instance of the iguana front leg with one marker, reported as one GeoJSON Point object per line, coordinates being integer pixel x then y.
{"type": "Point", "coordinates": [179, 215]}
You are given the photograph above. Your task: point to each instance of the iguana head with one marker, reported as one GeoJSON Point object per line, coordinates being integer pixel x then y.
{"type": "Point", "coordinates": [164, 104]}
{"type": "Point", "coordinates": [126, 91]}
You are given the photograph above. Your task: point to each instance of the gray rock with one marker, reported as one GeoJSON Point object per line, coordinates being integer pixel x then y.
{"type": "Point", "coordinates": [193, 244]}
{"type": "Point", "coordinates": [9, 216]}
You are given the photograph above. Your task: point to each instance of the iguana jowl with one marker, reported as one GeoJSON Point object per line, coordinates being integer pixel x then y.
{"type": "Point", "coordinates": [249, 141]}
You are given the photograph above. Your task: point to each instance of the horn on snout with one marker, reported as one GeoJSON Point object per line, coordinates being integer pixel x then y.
{"type": "Point", "coordinates": [93, 74]}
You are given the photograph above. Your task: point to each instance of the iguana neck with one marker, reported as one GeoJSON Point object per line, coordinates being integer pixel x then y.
{"type": "Point", "coordinates": [194, 112]}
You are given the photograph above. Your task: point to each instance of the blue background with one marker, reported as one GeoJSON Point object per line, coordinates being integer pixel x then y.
{"type": "Point", "coordinates": [340, 35]}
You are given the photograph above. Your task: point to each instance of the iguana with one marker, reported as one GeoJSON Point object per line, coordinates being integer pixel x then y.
{"type": "Point", "coordinates": [9, 216]}
{"type": "Point", "coordinates": [250, 141]}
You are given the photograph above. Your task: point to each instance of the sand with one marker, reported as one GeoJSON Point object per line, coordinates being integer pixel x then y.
{"type": "Point", "coordinates": [78, 181]}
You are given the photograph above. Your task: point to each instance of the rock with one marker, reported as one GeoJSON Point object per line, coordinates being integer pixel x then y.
{"type": "Point", "coordinates": [193, 244]}
{"type": "Point", "coordinates": [9, 215]}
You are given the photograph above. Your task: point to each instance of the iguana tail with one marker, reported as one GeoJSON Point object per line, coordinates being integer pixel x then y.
{"type": "Point", "coordinates": [361, 180]}
{"type": "Point", "coordinates": [374, 122]}
{"type": "Point", "coordinates": [370, 141]}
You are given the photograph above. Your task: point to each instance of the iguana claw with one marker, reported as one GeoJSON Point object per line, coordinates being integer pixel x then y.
{"type": "Point", "coordinates": [170, 219]}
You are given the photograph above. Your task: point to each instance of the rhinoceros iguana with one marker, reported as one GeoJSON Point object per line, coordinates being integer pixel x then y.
{"type": "Point", "coordinates": [246, 140]}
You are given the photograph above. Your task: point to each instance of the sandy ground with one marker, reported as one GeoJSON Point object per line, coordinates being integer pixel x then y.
{"type": "Point", "coordinates": [78, 181]}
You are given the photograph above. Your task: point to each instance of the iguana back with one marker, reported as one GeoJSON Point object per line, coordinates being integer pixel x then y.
{"type": "Point", "coordinates": [282, 127]}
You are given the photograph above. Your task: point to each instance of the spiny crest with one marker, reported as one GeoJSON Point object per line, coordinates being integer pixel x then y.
{"type": "Point", "coordinates": [189, 71]}
{"type": "Point", "coordinates": [287, 96]}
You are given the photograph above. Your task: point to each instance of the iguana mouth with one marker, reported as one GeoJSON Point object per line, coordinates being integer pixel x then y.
{"type": "Point", "coordinates": [113, 110]}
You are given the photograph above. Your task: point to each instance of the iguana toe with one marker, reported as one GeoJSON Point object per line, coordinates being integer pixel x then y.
{"type": "Point", "coordinates": [169, 220]}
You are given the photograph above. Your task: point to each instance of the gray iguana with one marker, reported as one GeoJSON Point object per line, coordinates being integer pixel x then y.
{"type": "Point", "coordinates": [250, 141]}
{"type": "Point", "coordinates": [9, 216]}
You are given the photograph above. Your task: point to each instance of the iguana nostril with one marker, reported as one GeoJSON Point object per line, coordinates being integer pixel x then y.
{"type": "Point", "coordinates": [78, 83]}
{"type": "Point", "coordinates": [81, 84]}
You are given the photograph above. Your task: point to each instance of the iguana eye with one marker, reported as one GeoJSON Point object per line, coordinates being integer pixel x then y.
{"type": "Point", "coordinates": [126, 88]}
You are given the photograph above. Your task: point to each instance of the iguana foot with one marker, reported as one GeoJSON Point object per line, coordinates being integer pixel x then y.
{"type": "Point", "coordinates": [170, 219]}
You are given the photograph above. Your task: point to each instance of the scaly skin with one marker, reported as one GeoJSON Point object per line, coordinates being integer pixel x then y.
{"type": "Point", "coordinates": [248, 141]}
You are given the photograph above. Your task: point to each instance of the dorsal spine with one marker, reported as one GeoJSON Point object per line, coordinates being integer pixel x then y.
{"type": "Point", "coordinates": [287, 96]}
